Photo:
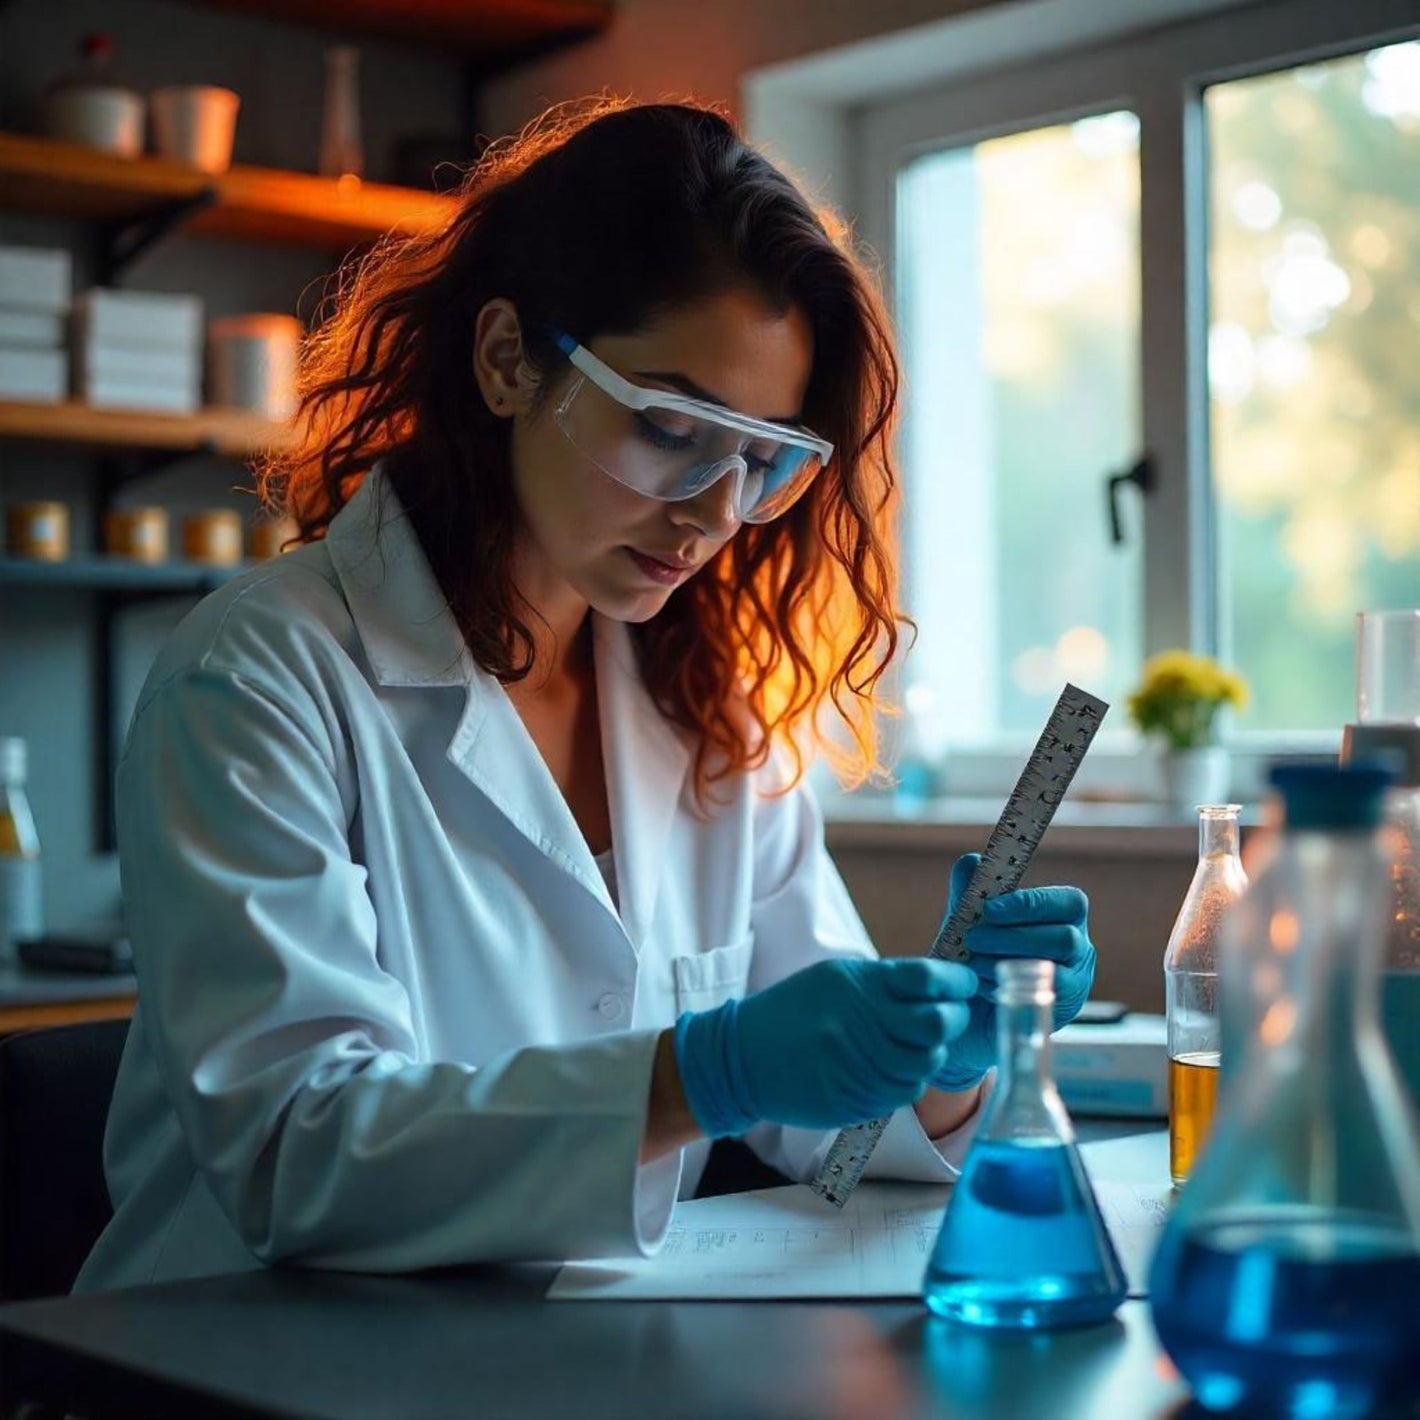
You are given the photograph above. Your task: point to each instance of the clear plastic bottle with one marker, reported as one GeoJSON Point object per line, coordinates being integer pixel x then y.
{"type": "Point", "coordinates": [21, 911]}
{"type": "Point", "coordinates": [1388, 722]}
{"type": "Point", "coordinates": [1022, 1243]}
{"type": "Point", "coordinates": [1191, 984]}
{"type": "Point", "coordinates": [1286, 1279]}
{"type": "Point", "coordinates": [1400, 979]}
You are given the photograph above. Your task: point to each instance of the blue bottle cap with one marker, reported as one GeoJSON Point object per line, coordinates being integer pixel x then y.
{"type": "Point", "coordinates": [1332, 796]}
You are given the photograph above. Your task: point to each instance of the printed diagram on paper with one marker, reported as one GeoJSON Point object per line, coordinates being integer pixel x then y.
{"type": "Point", "coordinates": [788, 1242]}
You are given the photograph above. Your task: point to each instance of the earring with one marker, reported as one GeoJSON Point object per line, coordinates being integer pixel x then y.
{"type": "Point", "coordinates": [498, 400]}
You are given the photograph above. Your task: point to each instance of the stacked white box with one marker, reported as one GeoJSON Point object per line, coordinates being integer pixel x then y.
{"type": "Point", "coordinates": [138, 350]}
{"type": "Point", "coordinates": [1117, 1070]}
{"type": "Point", "coordinates": [35, 290]}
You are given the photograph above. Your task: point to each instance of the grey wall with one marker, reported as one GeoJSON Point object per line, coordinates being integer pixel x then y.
{"type": "Point", "coordinates": [667, 49]}
{"type": "Point", "coordinates": [46, 690]}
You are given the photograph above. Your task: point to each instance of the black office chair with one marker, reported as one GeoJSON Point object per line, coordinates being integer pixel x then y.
{"type": "Point", "coordinates": [55, 1088]}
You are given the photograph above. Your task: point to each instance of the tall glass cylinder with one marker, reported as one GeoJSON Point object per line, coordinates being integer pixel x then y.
{"type": "Point", "coordinates": [342, 154]}
{"type": "Point", "coordinates": [1191, 984]}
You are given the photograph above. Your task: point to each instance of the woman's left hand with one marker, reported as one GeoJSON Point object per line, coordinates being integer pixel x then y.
{"type": "Point", "coordinates": [1046, 923]}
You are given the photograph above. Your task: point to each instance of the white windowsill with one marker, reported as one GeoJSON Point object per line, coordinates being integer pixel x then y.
{"type": "Point", "coordinates": [1113, 829]}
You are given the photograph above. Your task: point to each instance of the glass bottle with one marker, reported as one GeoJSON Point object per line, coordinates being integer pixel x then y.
{"type": "Point", "coordinates": [1285, 1282]}
{"type": "Point", "coordinates": [1191, 984]}
{"type": "Point", "coordinates": [21, 911]}
{"type": "Point", "coordinates": [1388, 722]}
{"type": "Point", "coordinates": [341, 152]}
{"type": "Point", "coordinates": [1022, 1242]}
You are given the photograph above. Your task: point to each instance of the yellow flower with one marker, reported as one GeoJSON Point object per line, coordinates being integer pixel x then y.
{"type": "Point", "coordinates": [1178, 696]}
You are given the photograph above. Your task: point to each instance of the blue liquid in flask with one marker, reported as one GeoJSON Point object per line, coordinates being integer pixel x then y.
{"type": "Point", "coordinates": [1022, 1243]}
{"type": "Point", "coordinates": [1292, 1316]}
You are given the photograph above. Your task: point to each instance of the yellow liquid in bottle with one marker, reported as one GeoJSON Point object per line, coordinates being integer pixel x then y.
{"type": "Point", "coordinates": [9, 837]}
{"type": "Point", "coordinates": [1193, 1096]}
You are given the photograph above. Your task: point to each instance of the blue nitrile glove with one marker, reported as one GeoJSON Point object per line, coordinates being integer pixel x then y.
{"type": "Point", "coordinates": [834, 1044]}
{"type": "Point", "coordinates": [1045, 923]}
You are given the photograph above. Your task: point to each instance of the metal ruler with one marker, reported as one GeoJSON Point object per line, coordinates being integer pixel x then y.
{"type": "Point", "coordinates": [1068, 733]}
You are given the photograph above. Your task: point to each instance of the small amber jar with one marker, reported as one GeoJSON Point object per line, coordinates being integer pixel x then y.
{"type": "Point", "coordinates": [39, 530]}
{"type": "Point", "coordinates": [214, 537]}
{"type": "Point", "coordinates": [137, 533]}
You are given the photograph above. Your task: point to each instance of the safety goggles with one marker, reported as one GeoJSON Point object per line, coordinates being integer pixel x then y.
{"type": "Point", "coordinates": [672, 447]}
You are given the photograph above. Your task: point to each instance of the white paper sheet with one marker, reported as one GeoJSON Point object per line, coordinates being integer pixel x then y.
{"type": "Point", "coordinates": [787, 1242]}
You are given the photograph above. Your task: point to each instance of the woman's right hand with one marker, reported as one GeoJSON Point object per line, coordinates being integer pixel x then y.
{"type": "Point", "coordinates": [838, 1043]}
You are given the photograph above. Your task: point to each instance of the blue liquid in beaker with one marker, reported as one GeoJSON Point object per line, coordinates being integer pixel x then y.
{"type": "Point", "coordinates": [1022, 1243]}
{"type": "Point", "coordinates": [1293, 1316]}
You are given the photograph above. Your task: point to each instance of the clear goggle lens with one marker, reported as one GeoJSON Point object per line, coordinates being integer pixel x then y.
{"type": "Point", "coordinates": [673, 454]}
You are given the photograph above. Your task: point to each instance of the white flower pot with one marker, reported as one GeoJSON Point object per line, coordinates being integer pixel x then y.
{"type": "Point", "coordinates": [1189, 777]}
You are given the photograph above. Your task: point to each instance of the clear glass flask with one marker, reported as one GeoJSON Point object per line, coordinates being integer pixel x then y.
{"type": "Point", "coordinates": [1286, 1279]}
{"type": "Point", "coordinates": [1022, 1243]}
{"type": "Point", "coordinates": [1191, 984]}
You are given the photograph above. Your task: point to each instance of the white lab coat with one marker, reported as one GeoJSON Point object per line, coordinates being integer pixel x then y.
{"type": "Point", "coordinates": [388, 1013]}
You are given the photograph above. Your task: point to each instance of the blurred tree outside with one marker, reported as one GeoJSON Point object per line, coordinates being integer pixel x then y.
{"type": "Point", "coordinates": [1314, 266]}
{"type": "Point", "coordinates": [1315, 382]}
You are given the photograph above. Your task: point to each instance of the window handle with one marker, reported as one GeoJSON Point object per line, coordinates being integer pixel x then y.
{"type": "Point", "coordinates": [1144, 476]}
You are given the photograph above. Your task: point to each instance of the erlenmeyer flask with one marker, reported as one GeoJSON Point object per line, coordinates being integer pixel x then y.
{"type": "Point", "coordinates": [1285, 1282]}
{"type": "Point", "coordinates": [1191, 984]}
{"type": "Point", "coordinates": [1022, 1243]}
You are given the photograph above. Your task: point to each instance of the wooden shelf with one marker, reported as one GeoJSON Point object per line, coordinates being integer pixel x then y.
{"type": "Point", "coordinates": [254, 204]}
{"type": "Point", "coordinates": [116, 574]}
{"type": "Point", "coordinates": [233, 433]}
{"type": "Point", "coordinates": [496, 32]}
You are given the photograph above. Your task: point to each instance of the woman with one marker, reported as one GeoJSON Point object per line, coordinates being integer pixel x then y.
{"type": "Point", "coordinates": [471, 883]}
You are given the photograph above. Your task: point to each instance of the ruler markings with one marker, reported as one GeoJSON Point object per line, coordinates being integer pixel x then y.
{"type": "Point", "coordinates": [1031, 805]}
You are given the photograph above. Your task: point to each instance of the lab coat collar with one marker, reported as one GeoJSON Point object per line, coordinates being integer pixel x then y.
{"type": "Point", "coordinates": [400, 611]}
{"type": "Point", "coordinates": [411, 639]}
{"type": "Point", "coordinates": [645, 761]}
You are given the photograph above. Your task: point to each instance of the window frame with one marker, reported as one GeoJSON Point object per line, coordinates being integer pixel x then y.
{"type": "Point", "coordinates": [1161, 76]}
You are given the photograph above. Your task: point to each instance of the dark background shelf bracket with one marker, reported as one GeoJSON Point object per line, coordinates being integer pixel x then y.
{"type": "Point", "coordinates": [122, 244]}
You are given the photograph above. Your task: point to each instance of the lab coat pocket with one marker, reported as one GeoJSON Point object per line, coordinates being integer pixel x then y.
{"type": "Point", "coordinates": [708, 978]}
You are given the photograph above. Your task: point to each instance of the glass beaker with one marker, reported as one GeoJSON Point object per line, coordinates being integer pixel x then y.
{"type": "Point", "coordinates": [1285, 1282]}
{"type": "Point", "coordinates": [1388, 667]}
{"type": "Point", "coordinates": [1022, 1243]}
{"type": "Point", "coordinates": [1191, 984]}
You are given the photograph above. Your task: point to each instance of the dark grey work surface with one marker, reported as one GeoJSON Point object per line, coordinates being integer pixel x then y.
{"type": "Point", "coordinates": [484, 1343]}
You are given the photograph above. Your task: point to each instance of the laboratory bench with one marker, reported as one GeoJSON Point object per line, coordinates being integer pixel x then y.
{"type": "Point", "coordinates": [30, 999]}
{"type": "Point", "coordinates": [484, 1341]}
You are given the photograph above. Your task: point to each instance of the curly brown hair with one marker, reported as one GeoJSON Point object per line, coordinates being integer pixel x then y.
{"type": "Point", "coordinates": [593, 220]}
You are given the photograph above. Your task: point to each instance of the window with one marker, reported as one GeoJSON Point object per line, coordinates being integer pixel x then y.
{"type": "Point", "coordinates": [1018, 309]}
{"type": "Point", "coordinates": [1314, 278]}
{"type": "Point", "coordinates": [1202, 243]}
